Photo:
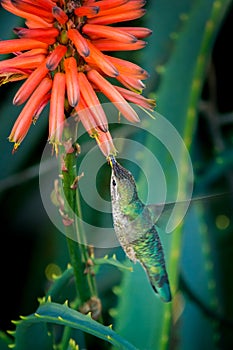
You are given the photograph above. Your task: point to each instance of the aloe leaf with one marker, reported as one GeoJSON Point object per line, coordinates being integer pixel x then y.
{"type": "Point", "coordinates": [181, 81]}
{"type": "Point", "coordinates": [54, 313]}
{"type": "Point", "coordinates": [31, 335]}
{"type": "Point", "coordinates": [202, 283]}
{"type": "Point", "coordinates": [5, 341]}
{"type": "Point", "coordinates": [112, 261]}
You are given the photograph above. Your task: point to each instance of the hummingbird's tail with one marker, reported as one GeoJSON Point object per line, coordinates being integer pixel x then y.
{"type": "Point", "coordinates": [159, 282]}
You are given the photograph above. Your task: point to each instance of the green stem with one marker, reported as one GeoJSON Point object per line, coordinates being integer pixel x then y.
{"type": "Point", "coordinates": [85, 282]}
{"type": "Point", "coordinates": [78, 249]}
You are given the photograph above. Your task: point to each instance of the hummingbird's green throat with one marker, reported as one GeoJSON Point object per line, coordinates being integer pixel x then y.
{"type": "Point", "coordinates": [135, 229]}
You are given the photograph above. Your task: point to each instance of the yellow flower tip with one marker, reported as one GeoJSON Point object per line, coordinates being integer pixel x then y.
{"type": "Point", "coordinates": [105, 143]}
{"type": "Point", "coordinates": [55, 147]}
{"type": "Point", "coordinates": [15, 148]}
{"type": "Point", "coordinates": [11, 138]}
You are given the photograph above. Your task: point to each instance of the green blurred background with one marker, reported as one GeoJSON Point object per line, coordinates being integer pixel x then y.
{"type": "Point", "coordinates": [31, 247]}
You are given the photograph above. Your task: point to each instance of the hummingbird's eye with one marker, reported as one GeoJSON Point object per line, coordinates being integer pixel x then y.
{"type": "Point", "coordinates": [113, 182]}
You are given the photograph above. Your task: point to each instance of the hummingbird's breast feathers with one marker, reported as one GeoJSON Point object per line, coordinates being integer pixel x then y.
{"type": "Point", "coordinates": [135, 229]}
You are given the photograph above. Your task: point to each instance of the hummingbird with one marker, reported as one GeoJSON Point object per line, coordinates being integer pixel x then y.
{"type": "Point", "coordinates": [135, 228]}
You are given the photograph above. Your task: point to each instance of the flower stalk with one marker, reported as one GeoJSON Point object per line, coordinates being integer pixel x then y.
{"type": "Point", "coordinates": [79, 255]}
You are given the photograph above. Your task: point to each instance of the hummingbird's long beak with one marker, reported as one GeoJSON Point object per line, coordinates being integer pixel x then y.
{"type": "Point", "coordinates": [118, 170]}
{"type": "Point", "coordinates": [116, 167]}
{"type": "Point", "coordinates": [112, 161]}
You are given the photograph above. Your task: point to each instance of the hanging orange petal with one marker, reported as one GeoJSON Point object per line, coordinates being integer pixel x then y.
{"type": "Point", "coordinates": [30, 18]}
{"type": "Point", "coordinates": [109, 4]}
{"type": "Point", "coordinates": [105, 143]}
{"type": "Point", "coordinates": [137, 98]}
{"type": "Point", "coordinates": [44, 101]}
{"type": "Point", "coordinates": [87, 117]}
{"type": "Point", "coordinates": [55, 57]}
{"type": "Point", "coordinates": [72, 83]}
{"type": "Point", "coordinates": [30, 84]}
{"type": "Point", "coordinates": [138, 32]}
{"type": "Point", "coordinates": [14, 45]}
{"type": "Point", "coordinates": [101, 61]}
{"type": "Point", "coordinates": [92, 101]}
{"type": "Point", "coordinates": [44, 4]}
{"type": "Point", "coordinates": [87, 11]}
{"type": "Point", "coordinates": [47, 35]}
{"type": "Point", "coordinates": [79, 42]}
{"type": "Point", "coordinates": [103, 138]}
{"type": "Point", "coordinates": [56, 112]}
{"type": "Point", "coordinates": [113, 95]}
{"type": "Point", "coordinates": [99, 31]}
{"type": "Point", "coordinates": [112, 45]}
{"type": "Point", "coordinates": [117, 17]}
{"type": "Point", "coordinates": [129, 5]}
{"type": "Point", "coordinates": [32, 52]}
{"type": "Point", "coordinates": [33, 8]}
{"type": "Point", "coordinates": [126, 8]}
{"type": "Point", "coordinates": [21, 61]}
{"type": "Point", "coordinates": [13, 74]}
{"type": "Point", "coordinates": [37, 23]}
{"type": "Point", "coordinates": [131, 83]}
{"type": "Point", "coordinates": [128, 68]}
{"type": "Point", "coordinates": [48, 4]}
{"type": "Point", "coordinates": [60, 15]}
{"type": "Point", "coordinates": [25, 118]}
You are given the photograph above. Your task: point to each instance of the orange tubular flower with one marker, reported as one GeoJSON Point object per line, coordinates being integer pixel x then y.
{"type": "Point", "coordinates": [48, 35]}
{"type": "Point", "coordinates": [135, 98]}
{"type": "Point", "coordinates": [139, 32]}
{"type": "Point", "coordinates": [105, 143]}
{"type": "Point", "coordinates": [55, 58]}
{"type": "Point", "coordinates": [60, 54]}
{"type": "Point", "coordinates": [113, 95]}
{"type": "Point", "coordinates": [26, 116]}
{"type": "Point", "coordinates": [98, 31]}
{"type": "Point", "coordinates": [72, 83]}
{"type": "Point", "coordinates": [8, 46]}
{"type": "Point", "coordinates": [30, 84]}
{"type": "Point", "coordinates": [56, 113]}
{"type": "Point", "coordinates": [91, 100]}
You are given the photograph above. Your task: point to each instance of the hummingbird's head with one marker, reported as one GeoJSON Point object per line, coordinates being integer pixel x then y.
{"type": "Point", "coordinates": [123, 187]}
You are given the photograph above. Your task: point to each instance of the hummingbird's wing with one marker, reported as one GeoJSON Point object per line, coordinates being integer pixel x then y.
{"type": "Point", "coordinates": [161, 213]}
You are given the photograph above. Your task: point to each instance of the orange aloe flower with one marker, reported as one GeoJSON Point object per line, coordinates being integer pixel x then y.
{"type": "Point", "coordinates": [61, 55]}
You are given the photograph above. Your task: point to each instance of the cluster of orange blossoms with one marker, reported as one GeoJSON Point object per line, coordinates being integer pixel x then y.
{"type": "Point", "coordinates": [60, 54]}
